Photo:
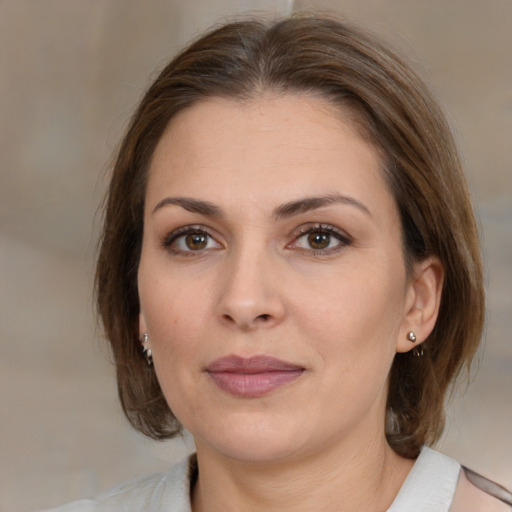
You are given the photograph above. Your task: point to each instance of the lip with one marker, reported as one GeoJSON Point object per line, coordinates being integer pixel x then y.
{"type": "Point", "coordinates": [252, 377]}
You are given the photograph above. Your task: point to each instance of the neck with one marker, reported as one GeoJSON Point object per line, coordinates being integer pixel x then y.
{"type": "Point", "coordinates": [346, 478]}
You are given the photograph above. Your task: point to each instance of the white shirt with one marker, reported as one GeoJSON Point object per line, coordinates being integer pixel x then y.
{"type": "Point", "coordinates": [429, 487]}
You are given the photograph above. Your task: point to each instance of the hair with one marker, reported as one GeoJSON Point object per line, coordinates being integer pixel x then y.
{"type": "Point", "coordinates": [391, 106]}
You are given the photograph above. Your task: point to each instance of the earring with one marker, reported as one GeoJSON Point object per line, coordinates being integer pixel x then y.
{"type": "Point", "coordinates": [144, 339]}
{"type": "Point", "coordinates": [418, 351]}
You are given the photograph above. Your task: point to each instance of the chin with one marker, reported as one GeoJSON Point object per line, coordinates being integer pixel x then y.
{"type": "Point", "coordinates": [252, 440]}
{"type": "Point", "coordinates": [257, 451]}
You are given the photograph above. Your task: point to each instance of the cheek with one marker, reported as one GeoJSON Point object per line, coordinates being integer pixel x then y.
{"type": "Point", "coordinates": [173, 322]}
{"type": "Point", "coordinates": [354, 329]}
{"type": "Point", "coordinates": [176, 312]}
{"type": "Point", "coordinates": [353, 322]}
{"type": "Point", "coordinates": [355, 302]}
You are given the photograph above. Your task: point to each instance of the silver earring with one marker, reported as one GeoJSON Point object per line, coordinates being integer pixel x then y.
{"type": "Point", "coordinates": [144, 339]}
{"type": "Point", "coordinates": [418, 351]}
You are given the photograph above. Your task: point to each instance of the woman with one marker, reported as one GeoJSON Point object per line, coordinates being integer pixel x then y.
{"type": "Point", "coordinates": [289, 236]}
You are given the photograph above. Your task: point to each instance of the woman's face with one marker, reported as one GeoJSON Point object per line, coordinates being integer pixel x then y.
{"type": "Point", "coordinates": [272, 281]}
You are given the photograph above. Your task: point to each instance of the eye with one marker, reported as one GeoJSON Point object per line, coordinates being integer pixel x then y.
{"type": "Point", "coordinates": [321, 239]}
{"type": "Point", "coordinates": [190, 239]}
{"type": "Point", "coordinates": [318, 240]}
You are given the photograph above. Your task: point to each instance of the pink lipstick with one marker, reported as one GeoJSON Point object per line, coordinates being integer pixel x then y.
{"type": "Point", "coordinates": [252, 377]}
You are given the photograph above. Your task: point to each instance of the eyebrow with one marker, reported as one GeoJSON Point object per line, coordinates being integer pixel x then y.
{"type": "Point", "coordinates": [284, 211]}
{"type": "Point", "coordinates": [191, 205]}
{"type": "Point", "coordinates": [307, 204]}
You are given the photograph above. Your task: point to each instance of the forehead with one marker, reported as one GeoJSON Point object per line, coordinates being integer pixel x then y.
{"type": "Point", "coordinates": [268, 149]}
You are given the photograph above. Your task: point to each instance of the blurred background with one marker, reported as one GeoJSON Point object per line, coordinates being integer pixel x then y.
{"type": "Point", "coordinates": [71, 71]}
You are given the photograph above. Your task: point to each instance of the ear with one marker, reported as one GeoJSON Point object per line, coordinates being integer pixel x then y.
{"type": "Point", "coordinates": [142, 324]}
{"type": "Point", "coordinates": [422, 302]}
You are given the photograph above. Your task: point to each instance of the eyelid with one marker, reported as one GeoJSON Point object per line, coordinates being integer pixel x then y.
{"type": "Point", "coordinates": [174, 235]}
{"type": "Point", "coordinates": [339, 234]}
{"type": "Point", "coordinates": [344, 239]}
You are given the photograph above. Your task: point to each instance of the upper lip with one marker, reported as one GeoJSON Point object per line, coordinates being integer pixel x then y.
{"type": "Point", "coordinates": [255, 364]}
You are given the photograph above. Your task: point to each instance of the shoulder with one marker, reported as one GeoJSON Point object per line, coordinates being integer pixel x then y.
{"type": "Point", "coordinates": [439, 483]}
{"type": "Point", "coordinates": [476, 493]}
{"type": "Point", "coordinates": [153, 493]}
{"type": "Point", "coordinates": [430, 484]}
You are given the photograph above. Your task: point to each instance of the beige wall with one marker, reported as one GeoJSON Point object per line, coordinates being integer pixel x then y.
{"type": "Point", "coordinates": [70, 73]}
{"type": "Point", "coordinates": [465, 48]}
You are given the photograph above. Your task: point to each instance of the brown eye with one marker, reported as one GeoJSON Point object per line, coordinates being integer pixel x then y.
{"type": "Point", "coordinates": [322, 239]}
{"type": "Point", "coordinates": [189, 240]}
{"type": "Point", "coordinates": [318, 240]}
{"type": "Point", "coordinates": [196, 241]}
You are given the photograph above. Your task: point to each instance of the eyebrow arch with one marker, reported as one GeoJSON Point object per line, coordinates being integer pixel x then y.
{"type": "Point", "coordinates": [312, 203]}
{"type": "Point", "coordinates": [191, 205]}
{"type": "Point", "coordinates": [284, 211]}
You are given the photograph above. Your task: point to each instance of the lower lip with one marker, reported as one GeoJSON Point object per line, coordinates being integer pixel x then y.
{"type": "Point", "coordinates": [251, 385]}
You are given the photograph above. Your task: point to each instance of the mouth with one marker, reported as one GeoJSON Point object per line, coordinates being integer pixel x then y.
{"type": "Point", "coordinates": [252, 377]}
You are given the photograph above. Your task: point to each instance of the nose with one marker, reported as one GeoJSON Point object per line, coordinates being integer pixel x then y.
{"type": "Point", "coordinates": [250, 296]}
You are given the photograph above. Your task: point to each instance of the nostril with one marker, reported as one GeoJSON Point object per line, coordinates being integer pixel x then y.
{"type": "Point", "coordinates": [264, 317]}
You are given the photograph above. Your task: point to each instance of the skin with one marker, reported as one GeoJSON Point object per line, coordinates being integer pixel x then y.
{"type": "Point", "coordinates": [258, 287]}
{"type": "Point", "coordinates": [468, 498]}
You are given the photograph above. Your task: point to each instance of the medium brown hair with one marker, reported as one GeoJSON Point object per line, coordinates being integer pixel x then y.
{"type": "Point", "coordinates": [368, 82]}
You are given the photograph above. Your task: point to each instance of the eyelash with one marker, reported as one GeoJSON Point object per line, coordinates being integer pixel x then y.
{"type": "Point", "coordinates": [182, 232]}
{"type": "Point", "coordinates": [324, 229]}
{"type": "Point", "coordinates": [328, 230]}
